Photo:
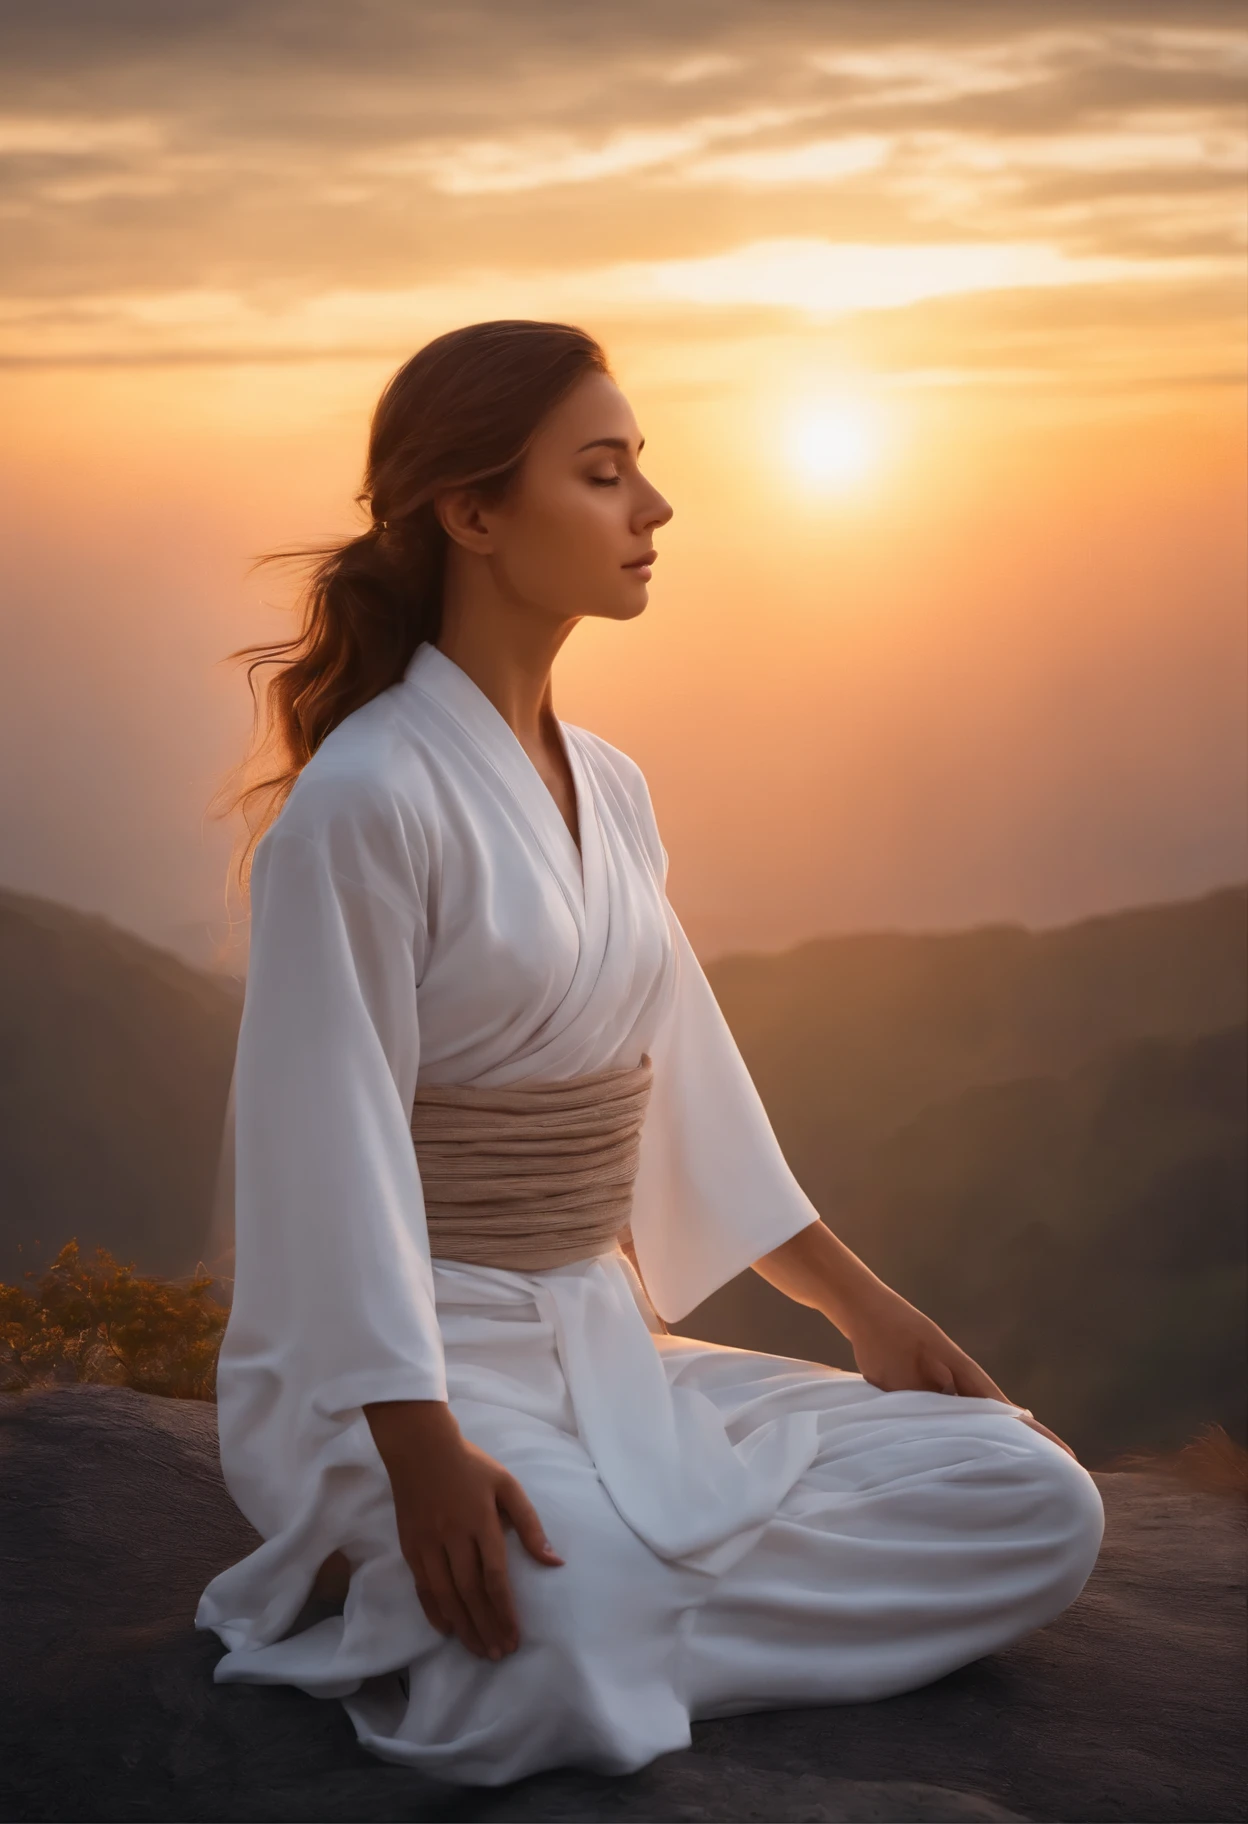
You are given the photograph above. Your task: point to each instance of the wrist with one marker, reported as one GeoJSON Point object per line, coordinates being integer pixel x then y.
{"type": "Point", "coordinates": [815, 1268]}
{"type": "Point", "coordinates": [858, 1301]}
{"type": "Point", "coordinates": [403, 1428]}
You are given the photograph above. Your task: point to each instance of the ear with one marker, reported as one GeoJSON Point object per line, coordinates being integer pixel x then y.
{"type": "Point", "coordinates": [464, 519]}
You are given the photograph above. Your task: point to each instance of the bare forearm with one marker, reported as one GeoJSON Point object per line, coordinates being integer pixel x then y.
{"type": "Point", "coordinates": [815, 1268]}
{"type": "Point", "coordinates": [402, 1428]}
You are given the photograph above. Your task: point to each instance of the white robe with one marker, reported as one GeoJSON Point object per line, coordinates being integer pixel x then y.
{"type": "Point", "coordinates": [740, 1530]}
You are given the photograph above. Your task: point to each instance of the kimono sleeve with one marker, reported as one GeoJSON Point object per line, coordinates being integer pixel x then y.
{"type": "Point", "coordinates": [713, 1191]}
{"type": "Point", "coordinates": [333, 1293]}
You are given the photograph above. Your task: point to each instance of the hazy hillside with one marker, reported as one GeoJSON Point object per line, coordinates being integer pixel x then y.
{"type": "Point", "coordinates": [847, 1037]}
{"type": "Point", "coordinates": [115, 1061]}
{"type": "Point", "coordinates": [1081, 1235]}
{"type": "Point", "coordinates": [1088, 1231]}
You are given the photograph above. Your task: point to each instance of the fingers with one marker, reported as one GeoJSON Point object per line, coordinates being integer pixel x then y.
{"type": "Point", "coordinates": [1046, 1433]}
{"type": "Point", "coordinates": [969, 1378]}
{"type": "Point", "coordinates": [423, 1575]}
{"type": "Point", "coordinates": [942, 1367]}
{"type": "Point", "coordinates": [442, 1587]}
{"type": "Point", "coordinates": [515, 1504]}
{"type": "Point", "coordinates": [965, 1376]}
{"type": "Point", "coordinates": [433, 1614]}
{"type": "Point", "coordinates": [464, 1589]}
{"type": "Point", "coordinates": [468, 1572]}
{"type": "Point", "coordinates": [496, 1587]}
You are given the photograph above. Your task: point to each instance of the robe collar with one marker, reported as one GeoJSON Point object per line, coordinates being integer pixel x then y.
{"type": "Point", "coordinates": [439, 677]}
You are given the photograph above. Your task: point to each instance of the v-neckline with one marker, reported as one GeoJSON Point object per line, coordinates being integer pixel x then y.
{"type": "Point", "coordinates": [464, 698]}
{"type": "Point", "coordinates": [578, 840]}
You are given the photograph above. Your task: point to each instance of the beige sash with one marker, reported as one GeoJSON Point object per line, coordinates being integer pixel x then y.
{"type": "Point", "coordinates": [533, 1175]}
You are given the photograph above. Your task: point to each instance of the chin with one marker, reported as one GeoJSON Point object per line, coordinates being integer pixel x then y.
{"type": "Point", "coordinates": [617, 609]}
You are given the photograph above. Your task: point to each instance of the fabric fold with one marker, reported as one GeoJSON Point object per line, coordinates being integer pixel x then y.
{"type": "Point", "coordinates": [661, 1451]}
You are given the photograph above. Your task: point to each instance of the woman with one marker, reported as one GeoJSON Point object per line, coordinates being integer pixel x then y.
{"type": "Point", "coordinates": [477, 1050]}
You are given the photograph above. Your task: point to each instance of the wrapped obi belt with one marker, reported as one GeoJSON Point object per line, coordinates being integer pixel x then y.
{"type": "Point", "coordinates": [532, 1175]}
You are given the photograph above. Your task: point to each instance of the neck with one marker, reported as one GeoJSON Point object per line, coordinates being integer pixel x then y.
{"type": "Point", "coordinates": [506, 646]}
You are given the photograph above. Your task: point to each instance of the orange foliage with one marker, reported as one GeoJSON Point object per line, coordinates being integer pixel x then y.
{"type": "Point", "coordinates": [96, 1320]}
{"type": "Point", "coordinates": [1212, 1461]}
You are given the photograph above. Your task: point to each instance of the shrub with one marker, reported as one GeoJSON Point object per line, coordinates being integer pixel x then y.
{"type": "Point", "coordinates": [97, 1320]}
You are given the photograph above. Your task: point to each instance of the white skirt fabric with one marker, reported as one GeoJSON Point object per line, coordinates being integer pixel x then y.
{"type": "Point", "coordinates": [741, 1532]}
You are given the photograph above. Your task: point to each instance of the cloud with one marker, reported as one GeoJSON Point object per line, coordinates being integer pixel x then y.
{"type": "Point", "coordinates": [817, 161]}
{"type": "Point", "coordinates": [544, 161]}
{"type": "Point", "coordinates": [71, 136]}
{"type": "Point", "coordinates": [827, 280]}
{"type": "Point", "coordinates": [810, 277]}
{"type": "Point", "coordinates": [219, 169]}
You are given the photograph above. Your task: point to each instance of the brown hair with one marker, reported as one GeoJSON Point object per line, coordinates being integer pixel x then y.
{"type": "Point", "coordinates": [461, 413]}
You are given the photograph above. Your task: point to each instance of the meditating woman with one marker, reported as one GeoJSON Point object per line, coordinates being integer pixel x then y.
{"type": "Point", "coordinates": [493, 1134]}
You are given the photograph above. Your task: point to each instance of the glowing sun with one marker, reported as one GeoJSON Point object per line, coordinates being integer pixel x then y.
{"type": "Point", "coordinates": [832, 444]}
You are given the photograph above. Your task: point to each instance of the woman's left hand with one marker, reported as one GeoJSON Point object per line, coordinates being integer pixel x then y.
{"type": "Point", "coordinates": [894, 1345]}
{"type": "Point", "coordinates": [896, 1348]}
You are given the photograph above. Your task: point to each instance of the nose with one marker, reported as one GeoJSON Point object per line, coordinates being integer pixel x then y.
{"type": "Point", "coordinates": [655, 512]}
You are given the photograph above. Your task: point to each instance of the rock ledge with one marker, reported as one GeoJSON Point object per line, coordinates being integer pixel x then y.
{"type": "Point", "coordinates": [113, 1516]}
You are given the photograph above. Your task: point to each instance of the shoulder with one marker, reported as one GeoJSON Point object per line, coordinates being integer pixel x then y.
{"type": "Point", "coordinates": [363, 805]}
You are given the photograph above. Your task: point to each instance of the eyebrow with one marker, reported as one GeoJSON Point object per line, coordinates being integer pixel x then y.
{"type": "Point", "coordinates": [611, 443]}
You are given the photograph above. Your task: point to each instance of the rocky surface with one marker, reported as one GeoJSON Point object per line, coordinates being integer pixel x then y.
{"type": "Point", "coordinates": [113, 1516]}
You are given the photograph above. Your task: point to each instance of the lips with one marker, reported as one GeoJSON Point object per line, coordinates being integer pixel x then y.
{"type": "Point", "coordinates": [642, 563]}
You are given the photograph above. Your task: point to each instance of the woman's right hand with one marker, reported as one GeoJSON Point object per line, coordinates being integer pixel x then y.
{"type": "Point", "coordinates": [452, 1502]}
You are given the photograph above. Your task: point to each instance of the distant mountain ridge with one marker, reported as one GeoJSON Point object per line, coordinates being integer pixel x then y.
{"type": "Point", "coordinates": [846, 1037]}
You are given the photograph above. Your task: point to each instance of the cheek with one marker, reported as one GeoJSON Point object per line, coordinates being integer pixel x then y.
{"type": "Point", "coordinates": [567, 541]}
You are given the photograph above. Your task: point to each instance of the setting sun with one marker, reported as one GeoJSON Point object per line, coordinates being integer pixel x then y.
{"type": "Point", "coordinates": [833, 444]}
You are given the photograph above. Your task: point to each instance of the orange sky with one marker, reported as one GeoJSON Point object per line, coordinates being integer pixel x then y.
{"type": "Point", "coordinates": [935, 332]}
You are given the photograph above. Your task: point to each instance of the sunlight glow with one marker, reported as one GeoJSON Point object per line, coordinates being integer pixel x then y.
{"type": "Point", "coordinates": [832, 444]}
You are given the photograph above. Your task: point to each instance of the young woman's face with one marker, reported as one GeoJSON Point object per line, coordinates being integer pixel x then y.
{"type": "Point", "coordinates": [575, 536]}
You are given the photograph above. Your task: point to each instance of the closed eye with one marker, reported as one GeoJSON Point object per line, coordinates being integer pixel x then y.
{"type": "Point", "coordinates": [605, 481]}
